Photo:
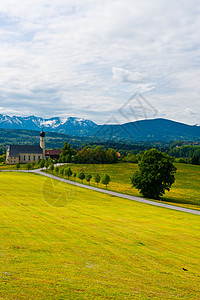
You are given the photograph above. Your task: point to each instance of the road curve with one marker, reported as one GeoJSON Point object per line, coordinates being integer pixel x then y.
{"type": "Point", "coordinates": [129, 197]}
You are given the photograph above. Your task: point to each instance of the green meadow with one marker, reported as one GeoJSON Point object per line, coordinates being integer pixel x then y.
{"type": "Point", "coordinates": [185, 191]}
{"type": "Point", "coordinates": [13, 167]}
{"type": "Point", "coordinates": [58, 241]}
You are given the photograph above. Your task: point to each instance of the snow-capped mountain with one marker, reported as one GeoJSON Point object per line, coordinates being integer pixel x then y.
{"type": "Point", "coordinates": [144, 130]}
{"type": "Point", "coordinates": [68, 125]}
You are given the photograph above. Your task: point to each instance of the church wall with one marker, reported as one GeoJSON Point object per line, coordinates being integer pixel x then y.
{"type": "Point", "coordinates": [23, 158]}
{"type": "Point", "coordinates": [13, 160]}
{"type": "Point", "coordinates": [29, 157]}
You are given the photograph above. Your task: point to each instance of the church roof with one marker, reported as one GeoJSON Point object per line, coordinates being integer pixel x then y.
{"type": "Point", "coordinates": [15, 150]}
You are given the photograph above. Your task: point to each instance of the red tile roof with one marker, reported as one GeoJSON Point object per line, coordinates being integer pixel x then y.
{"type": "Point", "coordinates": [52, 152]}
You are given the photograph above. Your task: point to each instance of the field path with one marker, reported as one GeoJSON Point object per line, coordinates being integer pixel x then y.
{"type": "Point", "coordinates": [129, 197]}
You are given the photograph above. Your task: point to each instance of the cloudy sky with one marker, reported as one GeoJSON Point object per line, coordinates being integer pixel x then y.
{"type": "Point", "coordinates": [108, 61]}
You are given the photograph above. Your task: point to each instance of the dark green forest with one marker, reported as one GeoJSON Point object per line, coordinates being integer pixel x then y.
{"type": "Point", "coordinates": [183, 151]}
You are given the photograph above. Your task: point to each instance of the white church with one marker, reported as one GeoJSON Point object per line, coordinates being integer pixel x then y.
{"type": "Point", "coordinates": [24, 154]}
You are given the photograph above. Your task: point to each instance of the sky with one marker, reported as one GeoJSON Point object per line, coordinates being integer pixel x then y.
{"type": "Point", "coordinates": [108, 61]}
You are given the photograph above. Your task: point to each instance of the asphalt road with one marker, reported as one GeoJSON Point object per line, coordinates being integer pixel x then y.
{"type": "Point", "coordinates": [129, 197]}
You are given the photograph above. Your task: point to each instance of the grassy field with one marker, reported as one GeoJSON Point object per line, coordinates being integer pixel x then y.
{"type": "Point", "coordinates": [62, 242]}
{"type": "Point", "coordinates": [185, 192]}
{"type": "Point", "coordinates": [13, 167]}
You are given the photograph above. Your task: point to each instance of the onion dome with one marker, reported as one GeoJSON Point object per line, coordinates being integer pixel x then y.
{"type": "Point", "coordinates": [42, 133]}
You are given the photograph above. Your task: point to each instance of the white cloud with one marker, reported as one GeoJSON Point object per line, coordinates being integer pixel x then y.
{"type": "Point", "coordinates": [62, 56]}
{"type": "Point", "coordinates": [123, 75]}
{"type": "Point", "coordinates": [190, 111]}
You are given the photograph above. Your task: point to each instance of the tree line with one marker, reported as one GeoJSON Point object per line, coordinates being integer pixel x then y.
{"type": "Point", "coordinates": [67, 172]}
{"type": "Point", "coordinates": [88, 155]}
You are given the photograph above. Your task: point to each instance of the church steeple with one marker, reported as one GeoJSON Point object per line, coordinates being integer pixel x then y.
{"type": "Point", "coordinates": [42, 142]}
{"type": "Point", "coordinates": [42, 133]}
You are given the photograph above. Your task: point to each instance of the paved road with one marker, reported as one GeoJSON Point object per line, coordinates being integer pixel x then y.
{"type": "Point", "coordinates": [34, 170]}
{"type": "Point", "coordinates": [129, 197]}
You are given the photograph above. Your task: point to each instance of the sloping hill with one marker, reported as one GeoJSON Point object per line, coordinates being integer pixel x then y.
{"type": "Point", "coordinates": [31, 137]}
{"type": "Point", "coordinates": [62, 242]}
{"type": "Point", "coordinates": [150, 130]}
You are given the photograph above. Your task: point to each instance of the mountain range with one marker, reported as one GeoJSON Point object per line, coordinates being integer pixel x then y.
{"type": "Point", "coordinates": [75, 126]}
{"type": "Point", "coordinates": [144, 130]}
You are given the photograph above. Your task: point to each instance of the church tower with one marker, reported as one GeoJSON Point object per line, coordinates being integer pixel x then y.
{"type": "Point", "coordinates": [42, 142]}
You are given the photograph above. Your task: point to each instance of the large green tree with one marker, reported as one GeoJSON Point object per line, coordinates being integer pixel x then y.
{"type": "Point", "coordinates": [155, 175]}
{"type": "Point", "coordinates": [67, 153]}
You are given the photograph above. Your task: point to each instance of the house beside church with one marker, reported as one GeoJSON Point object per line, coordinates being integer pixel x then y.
{"type": "Point", "coordinates": [24, 154]}
{"type": "Point", "coordinates": [53, 154]}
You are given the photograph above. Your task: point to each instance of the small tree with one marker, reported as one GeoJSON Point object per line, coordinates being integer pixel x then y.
{"type": "Point", "coordinates": [68, 172]}
{"type": "Point", "coordinates": [55, 161]}
{"type": "Point", "coordinates": [61, 172]}
{"type": "Point", "coordinates": [195, 160]}
{"type": "Point", "coordinates": [74, 175]}
{"type": "Point", "coordinates": [105, 180]}
{"type": "Point", "coordinates": [51, 167]}
{"type": "Point", "coordinates": [42, 164]}
{"type": "Point", "coordinates": [88, 177]}
{"type": "Point", "coordinates": [46, 164]}
{"type": "Point", "coordinates": [50, 161]}
{"type": "Point", "coordinates": [32, 164]}
{"type": "Point", "coordinates": [3, 158]}
{"type": "Point", "coordinates": [81, 176]}
{"type": "Point", "coordinates": [28, 166]}
{"type": "Point", "coordinates": [155, 175]}
{"type": "Point", "coordinates": [97, 178]}
{"type": "Point", "coordinates": [18, 166]}
{"type": "Point", "coordinates": [57, 169]}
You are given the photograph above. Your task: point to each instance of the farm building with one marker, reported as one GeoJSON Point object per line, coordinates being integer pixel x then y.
{"type": "Point", "coordinates": [53, 154]}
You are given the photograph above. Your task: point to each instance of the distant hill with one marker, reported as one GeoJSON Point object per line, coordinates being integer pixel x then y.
{"type": "Point", "coordinates": [150, 130]}
{"type": "Point", "coordinates": [145, 130]}
{"type": "Point", "coordinates": [56, 140]}
{"type": "Point", "coordinates": [24, 136]}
